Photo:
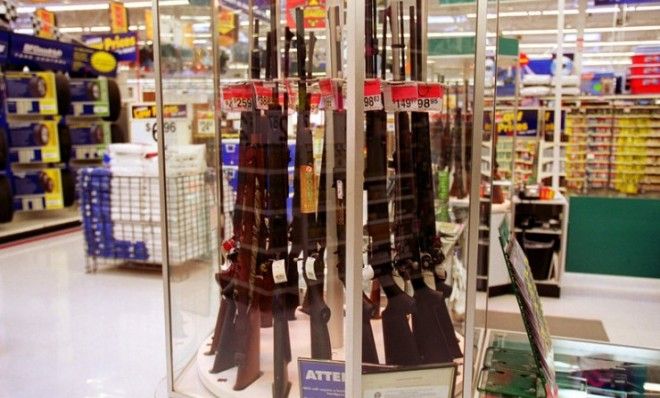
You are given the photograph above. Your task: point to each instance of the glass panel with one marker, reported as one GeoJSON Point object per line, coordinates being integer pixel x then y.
{"type": "Point", "coordinates": [281, 168]}
{"type": "Point", "coordinates": [418, 166]}
{"type": "Point", "coordinates": [191, 177]}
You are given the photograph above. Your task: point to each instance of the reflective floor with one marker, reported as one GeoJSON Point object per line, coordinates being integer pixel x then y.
{"type": "Point", "coordinates": [65, 333]}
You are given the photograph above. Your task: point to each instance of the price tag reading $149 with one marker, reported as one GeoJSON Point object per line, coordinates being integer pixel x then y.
{"type": "Point", "coordinates": [400, 97]}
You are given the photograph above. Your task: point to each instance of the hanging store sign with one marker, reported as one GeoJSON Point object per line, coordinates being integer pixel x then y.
{"type": "Point", "coordinates": [527, 123]}
{"type": "Point", "coordinates": [124, 45]}
{"type": "Point", "coordinates": [44, 23]}
{"type": "Point", "coordinates": [44, 54]}
{"type": "Point", "coordinates": [118, 17]}
{"type": "Point", "coordinates": [148, 24]}
{"type": "Point", "coordinates": [313, 11]}
{"type": "Point", "coordinates": [227, 28]}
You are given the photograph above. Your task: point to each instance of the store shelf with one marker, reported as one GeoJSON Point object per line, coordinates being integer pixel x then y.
{"type": "Point", "coordinates": [28, 223]}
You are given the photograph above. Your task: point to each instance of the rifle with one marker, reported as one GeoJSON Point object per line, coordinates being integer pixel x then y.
{"type": "Point", "coordinates": [400, 347]}
{"type": "Point", "coordinates": [227, 306]}
{"type": "Point", "coordinates": [292, 296]}
{"type": "Point", "coordinates": [248, 282]}
{"type": "Point", "coordinates": [226, 342]}
{"type": "Point", "coordinates": [434, 338]}
{"type": "Point", "coordinates": [458, 186]}
{"type": "Point", "coordinates": [338, 121]}
{"type": "Point", "coordinates": [308, 234]}
{"type": "Point", "coordinates": [278, 191]}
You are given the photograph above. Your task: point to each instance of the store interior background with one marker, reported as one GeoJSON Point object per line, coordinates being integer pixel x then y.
{"type": "Point", "coordinates": [102, 333]}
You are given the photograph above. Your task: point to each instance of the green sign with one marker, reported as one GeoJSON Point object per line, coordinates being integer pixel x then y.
{"type": "Point", "coordinates": [452, 45]}
{"type": "Point", "coordinates": [466, 46]}
{"type": "Point", "coordinates": [508, 47]}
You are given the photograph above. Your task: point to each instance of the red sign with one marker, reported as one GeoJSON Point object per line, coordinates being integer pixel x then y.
{"type": "Point", "coordinates": [313, 11]}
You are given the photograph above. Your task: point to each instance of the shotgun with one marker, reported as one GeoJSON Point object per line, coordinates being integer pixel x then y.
{"type": "Point", "coordinates": [227, 306]}
{"type": "Point", "coordinates": [307, 235]}
{"type": "Point", "coordinates": [369, 353]}
{"type": "Point", "coordinates": [433, 336]}
{"type": "Point", "coordinates": [319, 312]}
{"type": "Point", "coordinates": [225, 352]}
{"type": "Point", "coordinates": [458, 184]}
{"type": "Point", "coordinates": [292, 295]}
{"type": "Point", "coordinates": [399, 342]}
{"type": "Point", "coordinates": [249, 273]}
{"type": "Point", "coordinates": [277, 160]}
{"type": "Point", "coordinates": [431, 255]}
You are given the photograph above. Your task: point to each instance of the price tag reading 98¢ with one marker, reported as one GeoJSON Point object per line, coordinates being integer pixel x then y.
{"type": "Point", "coordinates": [372, 95]}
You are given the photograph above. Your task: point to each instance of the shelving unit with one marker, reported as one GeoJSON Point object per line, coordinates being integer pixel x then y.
{"type": "Point", "coordinates": [547, 274]}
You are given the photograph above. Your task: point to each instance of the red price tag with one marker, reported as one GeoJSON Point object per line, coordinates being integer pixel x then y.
{"type": "Point", "coordinates": [400, 97]}
{"type": "Point", "coordinates": [373, 100]}
{"type": "Point", "coordinates": [263, 93]}
{"type": "Point", "coordinates": [429, 97]}
{"type": "Point", "coordinates": [327, 96]}
{"type": "Point", "coordinates": [243, 97]}
{"type": "Point", "coordinates": [315, 101]}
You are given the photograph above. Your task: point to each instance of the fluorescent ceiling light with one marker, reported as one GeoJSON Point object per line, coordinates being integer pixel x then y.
{"type": "Point", "coordinates": [556, 12]}
{"type": "Point", "coordinates": [608, 55]}
{"type": "Point", "coordinates": [456, 34]}
{"type": "Point", "coordinates": [440, 19]}
{"type": "Point", "coordinates": [645, 8]}
{"type": "Point", "coordinates": [138, 4]}
{"type": "Point", "coordinates": [200, 41]}
{"type": "Point", "coordinates": [196, 17]}
{"type": "Point", "coordinates": [71, 29]}
{"type": "Point", "coordinates": [587, 37]}
{"type": "Point", "coordinates": [606, 62]}
{"type": "Point", "coordinates": [133, 28]}
{"type": "Point", "coordinates": [529, 32]}
{"type": "Point", "coordinates": [99, 29]}
{"type": "Point", "coordinates": [595, 44]}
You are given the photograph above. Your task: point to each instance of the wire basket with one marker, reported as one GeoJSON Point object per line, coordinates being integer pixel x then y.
{"type": "Point", "coordinates": [122, 222]}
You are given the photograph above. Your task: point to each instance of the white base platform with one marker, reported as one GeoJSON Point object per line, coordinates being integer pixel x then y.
{"type": "Point", "coordinates": [221, 384]}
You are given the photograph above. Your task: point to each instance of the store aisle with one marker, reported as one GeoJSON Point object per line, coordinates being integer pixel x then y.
{"type": "Point", "coordinates": [65, 333]}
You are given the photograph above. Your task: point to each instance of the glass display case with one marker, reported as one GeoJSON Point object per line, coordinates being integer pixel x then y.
{"type": "Point", "coordinates": [344, 199]}
{"type": "Point", "coordinates": [584, 368]}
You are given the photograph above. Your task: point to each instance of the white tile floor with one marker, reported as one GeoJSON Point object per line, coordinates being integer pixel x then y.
{"type": "Point", "coordinates": [65, 333]}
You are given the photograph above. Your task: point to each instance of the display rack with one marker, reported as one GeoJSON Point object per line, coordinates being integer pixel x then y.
{"type": "Point", "coordinates": [121, 218]}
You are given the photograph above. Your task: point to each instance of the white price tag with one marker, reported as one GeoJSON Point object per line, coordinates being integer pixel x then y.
{"type": "Point", "coordinates": [309, 268]}
{"type": "Point", "coordinates": [429, 97]}
{"type": "Point", "coordinates": [279, 271]}
{"type": "Point", "coordinates": [205, 126]}
{"type": "Point", "coordinates": [340, 189]}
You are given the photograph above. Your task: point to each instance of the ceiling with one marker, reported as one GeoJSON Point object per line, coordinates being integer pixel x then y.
{"type": "Point", "coordinates": [611, 33]}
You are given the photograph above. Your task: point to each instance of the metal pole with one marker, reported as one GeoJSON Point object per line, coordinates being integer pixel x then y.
{"type": "Point", "coordinates": [579, 41]}
{"type": "Point", "coordinates": [217, 140]}
{"type": "Point", "coordinates": [475, 182]}
{"type": "Point", "coordinates": [514, 138]}
{"type": "Point", "coordinates": [354, 200]}
{"type": "Point", "coordinates": [163, 197]}
{"type": "Point", "coordinates": [559, 71]}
